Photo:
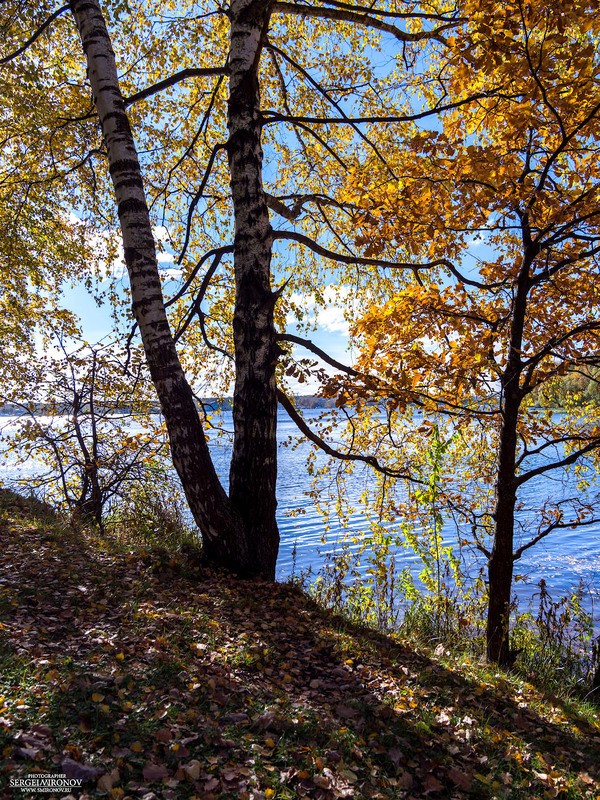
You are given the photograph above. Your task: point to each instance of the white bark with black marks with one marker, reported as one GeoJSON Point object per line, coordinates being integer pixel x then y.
{"type": "Point", "coordinates": [221, 527]}
{"type": "Point", "coordinates": [254, 463]}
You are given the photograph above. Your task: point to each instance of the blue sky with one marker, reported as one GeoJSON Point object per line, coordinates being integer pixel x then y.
{"type": "Point", "coordinates": [97, 323]}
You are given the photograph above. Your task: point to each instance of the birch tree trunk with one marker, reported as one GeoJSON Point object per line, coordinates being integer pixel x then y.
{"type": "Point", "coordinates": [253, 471]}
{"type": "Point", "coordinates": [223, 529]}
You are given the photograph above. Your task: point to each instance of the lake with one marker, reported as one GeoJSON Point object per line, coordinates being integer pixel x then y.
{"type": "Point", "coordinates": [562, 559]}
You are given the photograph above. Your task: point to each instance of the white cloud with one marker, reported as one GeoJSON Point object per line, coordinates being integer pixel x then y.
{"type": "Point", "coordinates": [171, 274]}
{"type": "Point", "coordinates": [161, 234]}
{"type": "Point", "coordinates": [328, 315]}
{"type": "Point", "coordinates": [110, 256]}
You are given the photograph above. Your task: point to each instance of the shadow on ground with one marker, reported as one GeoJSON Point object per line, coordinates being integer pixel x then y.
{"type": "Point", "coordinates": [141, 676]}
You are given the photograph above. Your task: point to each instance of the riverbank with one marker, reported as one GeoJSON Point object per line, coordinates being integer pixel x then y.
{"type": "Point", "coordinates": [142, 676]}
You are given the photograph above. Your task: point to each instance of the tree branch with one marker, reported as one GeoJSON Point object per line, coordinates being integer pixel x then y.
{"type": "Point", "coordinates": [197, 197]}
{"type": "Point", "coordinates": [218, 255]}
{"type": "Point", "coordinates": [545, 445]}
{"type": "Point", "coordinates": [550, 347]}
{"type": "Point", "coordinates": [394, 14]}
{"type": "Point", "coordinates": [552, 527]}
{"type": "Point", "coordinates": [173, 80]}
{"type": "Point", "coordinates": [34, 36]}
{"type": "Point", "coordinates": [277, 204]}
{"type": "Point", "coordinates": [594, 444]}
{"type": "Point", "coordinates": [323, 143]}
{"type": "Point", "coordinates": [317, 86]}
{"type": "Point", "coordinates": [275, 116]}
{"type": "Point", "coordinates": [331, 451]}
{"type": "Point", "coordinates": [359, 17]}
{"type": "Point", "coordinates": [378, 262]}
{"type": "Point", "coordinates": [290, 337]}
{"type": "Point", "coordinates": [220, 251]}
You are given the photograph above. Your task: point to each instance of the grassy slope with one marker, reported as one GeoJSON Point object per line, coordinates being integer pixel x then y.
{"type": "Point", "coordinates": [145, 677]}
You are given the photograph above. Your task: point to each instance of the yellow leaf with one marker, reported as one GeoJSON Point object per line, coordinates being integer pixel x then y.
{"type": "Point", "coordinates": [193, 769]}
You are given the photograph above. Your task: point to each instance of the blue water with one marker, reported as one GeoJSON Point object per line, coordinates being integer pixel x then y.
{"type": "Point", "coordinates": [563, 559]}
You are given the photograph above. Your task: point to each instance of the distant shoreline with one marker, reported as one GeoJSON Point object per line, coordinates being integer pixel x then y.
{"type": "Point", "coordinates": [210, 403]}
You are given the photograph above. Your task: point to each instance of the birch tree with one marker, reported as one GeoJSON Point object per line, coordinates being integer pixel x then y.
{"type": "Point", "coordinates": [279, 73]}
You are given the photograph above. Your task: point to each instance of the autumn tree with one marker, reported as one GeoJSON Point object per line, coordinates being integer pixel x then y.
{"type": "Point", "coordinates": [197, 85]}
{"type": "Point", "coordinates": [505, 197]}
{"type": "Point", "coordinates": [85, 427]}
{"type": "Point", "coordinates": [41, 249]}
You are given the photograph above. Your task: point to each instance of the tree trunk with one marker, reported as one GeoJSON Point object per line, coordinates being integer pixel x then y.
{"type": "Point", "coordinates": [223, 529]}
{"type": "Point", "coordinates": [500, 566]}
{"type": "Point", "coordinates": [253, 471]}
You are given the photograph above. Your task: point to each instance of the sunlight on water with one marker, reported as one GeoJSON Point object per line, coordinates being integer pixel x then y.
{"type": "Point", "coordinates": [563, 559]}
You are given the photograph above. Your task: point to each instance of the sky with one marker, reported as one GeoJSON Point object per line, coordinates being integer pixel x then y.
{"type": "Point", "coordinates": [332, 327]}
{"type": "Point", "coordinates": [97, 324]}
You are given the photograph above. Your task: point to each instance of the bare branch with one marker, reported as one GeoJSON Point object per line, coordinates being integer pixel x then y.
{"type": "Point", "coordinates": [378, 262]}
{"type": "Point", "coordinates": [197, 197]}
{"type": "Point", "coordinates": [277, 204]}
{"type": "Point", "coordinates": [317, 86]}
{"type": "Point", "coordinates": [594, 444]}
{"type": "Point", "coordinates": [189, 149]}
{"type": "Point", "coordinates": [201, 293]}
{"type": "Point", "coordinates": [220, 251]}
{"type": "Point", "coordinates": [545, 445]}
{"type": "Point", "coordinates": [331, 451]}
{"type": "Point", "coordinates": [552, 527]}
{"type": "Point", "coordinates": [322, 142]}
{"type": "Point", "coordinates": [394, 14]}
{"type": "Point", "coordinates": [207, 342]}
{"type": "Point", "coordinates": [275, 116]}
{"type": "Point", "coordinates": [290, 337]}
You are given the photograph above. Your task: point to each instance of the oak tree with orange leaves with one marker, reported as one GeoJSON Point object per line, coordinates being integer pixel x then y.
{"type": "Point", "coordinates": [503, 201]}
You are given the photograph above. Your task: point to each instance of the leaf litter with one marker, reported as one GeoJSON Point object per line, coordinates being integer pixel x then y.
{"type": "Point", "coordinates": [144, 675]}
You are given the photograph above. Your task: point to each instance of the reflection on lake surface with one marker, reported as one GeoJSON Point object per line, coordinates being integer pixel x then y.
{"type": "Point", "coordinates": [562, 559]}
